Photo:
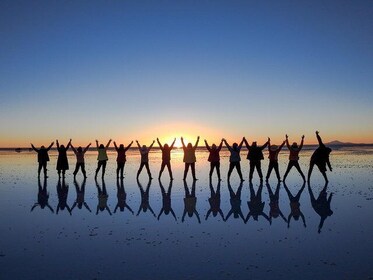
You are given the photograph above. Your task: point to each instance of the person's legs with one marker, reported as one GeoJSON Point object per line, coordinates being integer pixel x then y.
{"type": "Point", "coordinates": [193, 167]}
{"type": "Point", "coordinates": [290, 165]}
{"type": "Point", "coordinates": [252, 167]}
{"type": "Point", "coordinates": [231, 167]}
{"type": "Point", "coordinates": [103, 168]}
{"type": "Point", "coordinates": [140, 169]}
{"type": "Point", "coordinates": [275, 166]}
{"type": "Point", "coordinates": [122, 170]}
{"type": "Point", "coordinates": [99, 163]}
{"type": "Point", "coordinates": [238, 167]}
{"type": "Point", "coordinates": [312, 164]}
{"type": "Point", "coordinates": [218, 170]}
{"type": "Point", "coordinates": [186, 169]}
{"type": "Point", "coordinates": [212, 166]}
{"type": "Point", "coordinates": [76, 169]}
{"type": "Point", "coordinates": [168, 164]}
{"type": "Point", "coordinates": [162, 168]}
{"type": "Point", "coordinates": [148, 170]}
{"type": "Point", "coordinates": [39, 168]}
{"type": "Point", "coordinates": [83, 169]}
{"type": "Point", "coordinates": [270, 167]}
{"type": "Point", "coordinates": [118, 169]}
{"type": "Point", "coordinates": [259, 169]}
{"type": "Point", "coordinates": [299, 170]}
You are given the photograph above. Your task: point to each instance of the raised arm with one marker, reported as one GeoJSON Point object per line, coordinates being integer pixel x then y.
{"type": "Point", "coordinates": [58, 144]}
{"type": "Point", "coordinates": [287, 141]}
{"type": "Point", "coordinates": [182, 142]}
{"type": "Point", "coordinates": [151, 146]}
{"type": "Point", "coordinates": [97, 144]}
{"type": "Point", "coordinates": [50, 146]}
{"type": "Point", "coordinates": [108, 144]}
{"type": "Point", "coordinates": [159, 144]}
{"type": "Point", "coordinates": [319, 139]}
{"type": "Point", "coordinates": [196, 145]}
{"type": "Point", "coordinates": [116, 148]}
{"type": "Point", "coordinates": [68, 145]}
{"type": "Point", "coordinates": [173, 143]}
{"type": "Point", "coordinates": [226, 144]}
{"type": "Point", "coordinates": [33, 147]}
{"type": "Point", "coordinates": [266, 144]}
{"type": "Point", "coordinates": [86, 148]}
{"type": "Point", "coordinates": [246, 143]}
{"type": "Point", "coordinates": [240, 146]}
{"type": "Point", "coordinates": [129, 146]}
{"type": "Point", "coordinates": [301, 143]}
{"type": "Point", "coordinates": [207, 147]}
{"type": "Point", "coordinates": [74, 150]}
{"type": "Point", "coordinates": [269, 143]}
{"type": "Point", "coordinates": [138, 145]}
{"type": "Point", "coordinates": [282, 145]}
{"type": "Point", "coordinates": [221, 145]}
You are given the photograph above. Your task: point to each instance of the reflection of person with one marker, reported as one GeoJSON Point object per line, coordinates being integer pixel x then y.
{"type": "Point", "coordinates": [166, 158]}
{"type": "Point", "coordinates": [273, 151]}
{"type": "Point", "coordinates": [320, 158]}
{"type": "Point", "coordinates": [275, 211]}
{"type": "Point", "coordinates": [214, 202]}
{"type": "Point", "coordinates": [295, 211]}
{"type": "Point", "coordinates": [43, 158]}
{"type": "Point", "coordinates": [43, 196]}
{"type": "Point", "coordinates": [102, 157]}
{"type": "Point", "coordinates": [122, 197]}
{"type": "Point", "coordinates": [79, 153]}
{"type": "Point", "coordinates": [145, 205]}
{"type": "Point", "coordinates": [144, 151]}
{"type": "Point", "coordinates": [121, 157]}
{"type": "Point", "coordinates": [80, 193]}
{"type": "Point", "coordinates": [321, 205]}
{"type": "Point", "coordinates": [166, 200]}
{"type": "Point", "coordinates": [255, 156]}
{"type": "Point", "coordinates": [294, 157]}
{"type": "Point", "coordinates": [256, 205]}
{"type": "Point", "coordinates": [190, 202]}
{"type": "Point", "coordinates": [102, 196]}
{"type": "Point", "coordinates": [214, 158]}
{"type": "Point", "coordinates": [235, 200]}
{"type": "Point", "coordinates": [190, 158]}
{"type": "Point", "coordinates": [62, 192]}
{"type": "Point", "coordinates": [62, 162]}
{"type": "Point", "coordinates": [234, 159]}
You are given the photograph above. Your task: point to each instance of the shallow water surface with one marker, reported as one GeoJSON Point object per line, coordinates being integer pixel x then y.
{"type": "Point", "coordinates": [61, 239]}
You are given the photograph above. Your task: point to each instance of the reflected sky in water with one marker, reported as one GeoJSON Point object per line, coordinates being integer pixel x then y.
{"type": "Point", "coordinates": [147, 230]}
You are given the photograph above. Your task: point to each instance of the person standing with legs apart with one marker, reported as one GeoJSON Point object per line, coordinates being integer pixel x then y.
{"type": "Point", "coordinates": [102, 157]}
{"type": "Point", "coordinates": [79, 153]}
{"type": "Point", "coordinates": [294, 157]}
{"type": "Point", "coordinates": [273, 151]}
{"type": "Point", "coordinates": [320, 158]}
{"type": "Point", "coordinates": [144, 151]}
{"type": "Point", "coordinates": [234, 159]}
{"type": "Point", "coordinates": [166, 158]}
{"type": "Point", "coordinates": [43, 158]}
{"type": "Point", "coordinates": [254, 156]}
{"type": "Point", "coordinates": [214, 158]}
{"type": "Point", "coordinates": [190, 158]}
{"type": "Point", "coordinates": [62, 162]}
{"type": "Point", "coordinates": [121, 158]}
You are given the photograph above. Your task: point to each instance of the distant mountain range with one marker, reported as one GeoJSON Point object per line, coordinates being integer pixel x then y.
{"type": "Point", "coordinates": [339, 143]}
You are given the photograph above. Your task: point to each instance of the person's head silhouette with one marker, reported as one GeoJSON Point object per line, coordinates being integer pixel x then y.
{"type": "Point", "coordinates": [189, 146]}
{"type": "Point", "coordinates": [166, 146]}
{"type": "Point", "coordinates": [213, 146]}
{"type": "Point", "coordinates": [80, 149]}
{"type": "Point", "coordinates": [254, 144]}
{"type": "Point", "coordinates": [294, 145]}
{"type": "Point", "coordinates": [101, 146]}
{"type": "Point", "coordinates": [121, 146]}
{"type": "Point", "coordinates": [235, 145]}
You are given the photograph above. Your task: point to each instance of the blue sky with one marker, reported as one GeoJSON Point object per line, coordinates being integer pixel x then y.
{"type": "Point", "coordinates": [142, 69]}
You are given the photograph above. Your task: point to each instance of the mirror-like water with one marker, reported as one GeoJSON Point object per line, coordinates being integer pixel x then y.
{"type": "Point", "coordinates": [140, 230]}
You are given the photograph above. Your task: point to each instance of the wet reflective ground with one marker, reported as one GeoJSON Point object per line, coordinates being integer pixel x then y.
{"type": "Point", "coordinates": [141, 230]}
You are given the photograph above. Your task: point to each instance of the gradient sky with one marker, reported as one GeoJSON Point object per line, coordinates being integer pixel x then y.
{"type": "Point", "coordinates": [140, 69]}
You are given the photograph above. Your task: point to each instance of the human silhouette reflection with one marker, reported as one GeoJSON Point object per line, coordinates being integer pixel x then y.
{"type": "Point", "coordinates": [235, 200]}
{"type": "Point", "coordinates": [166, 200]}
{"type": "Point", "coordinates": [122, 197]}
{"type": "Point", "coordinates": [295, 211]}
{"type": "Point", "coordinates": [80, 194]}
{"type": "Point", "coordinates": [256, 205]}
{"type": "Point", "coordinates": [214, 202]}
{"type": "Point", "coordinates": [43, 196]}
{"type": "Point", "coordinates": [321, 205]}
{"type": "Point", "coordinates": [145, 205]}
{"type": "Point", "coordinates": [62, 193]}
{"type": "Point", "coordinates": [190, 202]}
{"type": "Point", "coordinates": [102, 196]}
{"type": "Point", "coordinates": [274, 211]}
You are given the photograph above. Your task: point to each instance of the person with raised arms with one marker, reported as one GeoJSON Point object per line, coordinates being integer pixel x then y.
{"type": "Point", "coordinates": [121, 157]}
{"type": "Point", "coordinates": [320, 158]}
{"type": "Point", "coordinates": [190, 158]}
{"type": "Point", "coordinates": [273, 151]}
{"type": "Point", "coordinates": [294, 157]}
{"type": "Point", "coordinates": [214, 158]}
{"type": "Point", "coordinates": [255, 155]}
{"type": "Point", "coordinates": [166, 158]}
{"type": "Point", "coordinates": [144, 151]}
{"type": "Point", "coordinates": [43, 158]}
{"type": "Point", "coordinates": [79, 153]}
{"type": "Point", "coordinates": [234, 159]}
{"type": "Point", "coordinates": [62, 162]}
{"type": "Point", "coordinates": [102, 157]}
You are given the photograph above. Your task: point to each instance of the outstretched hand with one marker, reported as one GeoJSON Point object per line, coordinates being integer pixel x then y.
{"type": "Point", "coordinates": [302, 136]}
{"type": "Point", "coordinates": [317, 132]}
{"type": "Point", "coordinates": [286, 136]}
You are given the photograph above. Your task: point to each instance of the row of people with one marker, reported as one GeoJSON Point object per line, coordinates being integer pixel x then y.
{"type": "Point", "coordinates": [320, 158]}
{"type": "Point", "coordinates": [321, 204]}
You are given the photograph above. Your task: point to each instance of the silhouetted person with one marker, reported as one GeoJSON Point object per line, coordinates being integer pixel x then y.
{"type": "Point", "coordinates": [166, 158]}
{"type": "Point", "coordinates": [274, 198]}
{"type": "Point", "coordinates": [273, 151]}
{"type": "Point", "coordinates": [295, 211]}
{"type": "Point", "coordinates": [103, 197]}
{"type": "Point", "coordinates": [214, 202]}
{"type": "Point", "coordinates": [190, 158]}
{"type": "Point", "coordinates": [145, 204]}
{"type": "Point", "coordinates": [43, 196]}
{"type": "Point", "coordinates": [121, 157]}
{"type": "Point", "coordinates": [255, 156]}
{"type": "Point", "coordinates": [166, 200]}
{"type": "Point", "coordinates": [294, 157]}
{"type": "Point", "coordinates": [256, 205]}
{"type": "Point", "coordinates": [144, 151]}
{"type": "Point", "coordinates": [62, 162]}
{"type": "Point", "coordinates": [62, 193]}
{"type": "Point", "coordinates": [235, 200]}
{"type": "Point", "coordinates": [321, 205]}
{"type": "Point", "coordinates": [234, 159]}
{"type": "Point", "coordinates": [122, 197]}
{"type": "Point", "coordinates": [190, 202]}
{"type": "Point", "coordinates": [102, 157]}
{"type": "Point", "coordinates": [79, 153]}
{"type": "Point", "coordinates": [320, 158]}
{"type": "Point", "coordinates": [43, 158]}
{"type": "Point", "coordinates": [214, 158]}
{"type": "Point", "coordinates": [80, 195]}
